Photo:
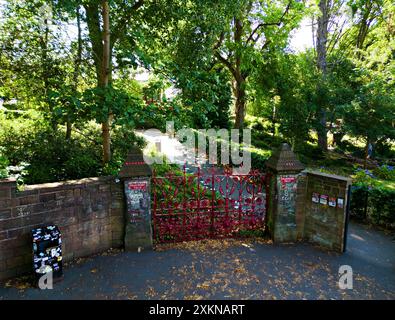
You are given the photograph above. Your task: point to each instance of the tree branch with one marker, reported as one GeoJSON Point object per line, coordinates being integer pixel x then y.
{"type": "Point", "coordinates": [278, 23]}
{"type": "Point", "coordinates": [226, 63]}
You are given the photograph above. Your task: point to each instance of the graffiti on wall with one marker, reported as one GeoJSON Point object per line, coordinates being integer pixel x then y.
{"type": "Point", "coordinates": [286, 186]}
{"type": "Point", "coordinates": [137, 199]}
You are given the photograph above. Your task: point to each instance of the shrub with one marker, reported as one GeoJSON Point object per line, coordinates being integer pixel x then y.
{"type": "Point", "coordinates": [45, 155]}
{"type": "Point", "coordinates": [364, 178]}
{"type": "Point", "coordinates": [308, 152]}
{"type": "Point", "coordinates": [358, 201]}
{"type": "Point", "coordinates": [3, 167]}
{"type": "Point", "coordinates": [53, 158]}
{"type": "Point", "coordinates": [385, 172]}
{"type": "Point", "coordinates": [263, 140]}
{"type": "Point", "coordinates": [384, 150]}
{"type": "Point", "coordinates": [381, 206]}
{"type": "Point", "coordinates": [347, 146]}
{"type": "Point", "coordinates": [257, 126]}
{"type": "Point", "coordinates": [17, 133]}
{"type": "Point", "coordinates": [373, 204]}
{"type": "Point", "coordinates": [259, 158]}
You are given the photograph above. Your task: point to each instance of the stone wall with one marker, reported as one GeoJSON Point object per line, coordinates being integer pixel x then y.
{"type": "Point", "coordinates": [89, 213]}
{"type": "Point", "coordinates": [324, 224]}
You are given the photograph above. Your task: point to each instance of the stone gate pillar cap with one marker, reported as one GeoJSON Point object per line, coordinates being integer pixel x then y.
{"type": "Point", "coordinates": [284, 160]}
{"type": "Point", "coordinates": [135, 165]}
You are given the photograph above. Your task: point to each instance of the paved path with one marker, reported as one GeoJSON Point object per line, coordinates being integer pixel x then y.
{"type": "Point", "coordinates": [173, 149]}
{"type": "Point", "coordinates": [230, 270]}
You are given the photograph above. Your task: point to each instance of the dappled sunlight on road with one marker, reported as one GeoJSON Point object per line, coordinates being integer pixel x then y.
{"type": "Point", "coordinates": [228, 269]}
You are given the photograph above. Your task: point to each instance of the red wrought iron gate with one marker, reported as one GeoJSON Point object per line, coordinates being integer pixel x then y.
{"type": "Point", "coordinates": [202, 205]}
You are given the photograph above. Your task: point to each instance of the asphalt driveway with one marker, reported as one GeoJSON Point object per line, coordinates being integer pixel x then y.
{"type": "Point", "coordinates": [228, 269]}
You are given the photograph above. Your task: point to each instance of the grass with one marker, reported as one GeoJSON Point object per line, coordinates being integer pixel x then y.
{"type": "Point", "coordinates": [261, 152]}
{"type": "Point", "coordinates": [387, 184]}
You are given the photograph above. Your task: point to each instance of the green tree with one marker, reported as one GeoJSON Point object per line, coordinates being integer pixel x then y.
{"type": "Point", "coordinates": [34, 55]}
{"type": "Point", "coordinates": [237, 36]}
{"type": "Point", "coordinates": [254, 29]}
{"type": "Point", "coordinates": [371, 115]}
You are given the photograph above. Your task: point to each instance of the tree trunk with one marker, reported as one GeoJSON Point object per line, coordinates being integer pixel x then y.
{"type": "Point", "coordinates": [274, 120]}
{"type": "Point", "coordinates": [322, 38]}
{"type": "Point", "coordinates": [322, 35]}
{"type": "Point", "coordinates": [105, 72]}
{"type": "Point", "coordinates": [69, 127]}
{"type": "Point", "coordinates": [367, 153]}
{"type": "Point", "coordinates": [240, 80]}
{"type": "Point", "coordinates": [322, 131]}
{"type": "Point", "coordinates": [77, 63]}
{"type": "Point", "coordinates": [240, 105]}
{"type": "Point", "coordinates": [45, 72]}
{"type": "Point", "coordinates": [95, 37]}
{"type": "Point", "coordinates": [101, 47]}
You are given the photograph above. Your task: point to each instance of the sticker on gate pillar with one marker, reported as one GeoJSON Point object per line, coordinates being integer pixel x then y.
{"type": "Point", "coordinates": [340, 203]}
{"type": "Point", "coordinates": [324, 199]}
{"type": "Point", "coordinates": [285, 180]}
{"type": "Point", "coordinates": [286, 186]}
{"type": "Point", "coordinates": [332, 202]}
{"type": "Point", "coordinates": [315, 198]}
{"type": "Point", "coordinates": [140, 185]}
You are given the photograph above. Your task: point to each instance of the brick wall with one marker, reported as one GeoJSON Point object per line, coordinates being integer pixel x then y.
{"type": "Point", "coordinates": [323, 224]}
{"type": "Point", "coordinates": [89, 213]}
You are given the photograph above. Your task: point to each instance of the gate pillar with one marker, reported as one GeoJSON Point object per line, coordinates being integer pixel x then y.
{"type": "Point", "coordinates": [283, 171]}
{"type": "Point", "coordinates": [136, 177]}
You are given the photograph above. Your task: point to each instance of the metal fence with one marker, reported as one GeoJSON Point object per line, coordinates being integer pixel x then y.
{"type": "Point", "coordinates": [203, 205]}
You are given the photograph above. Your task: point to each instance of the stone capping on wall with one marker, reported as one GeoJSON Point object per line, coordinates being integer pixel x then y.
{"type": "Point", "coordinates": [7, 180]}
{"type": "Point", "coordinates": [89, 213]}
{"type": "Point", "coordinates": [66, 184]}
{"type": "Point", "coordinates": [328, 175]}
